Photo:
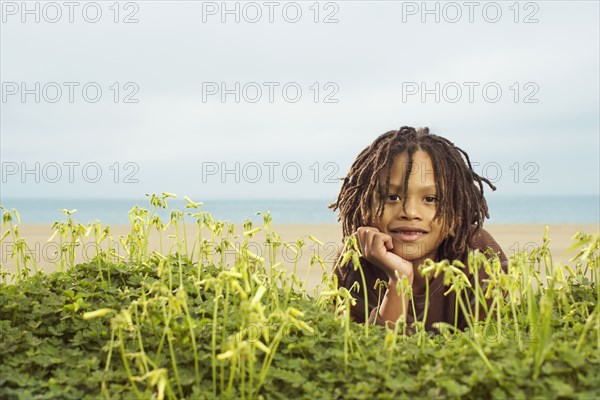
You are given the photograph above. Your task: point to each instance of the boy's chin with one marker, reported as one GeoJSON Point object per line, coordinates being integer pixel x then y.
{"type": "Point", "coordinates": [409, 252]}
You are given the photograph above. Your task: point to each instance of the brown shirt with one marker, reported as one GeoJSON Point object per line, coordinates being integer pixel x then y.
{"type": "Point", "coordinates": [441, 308]}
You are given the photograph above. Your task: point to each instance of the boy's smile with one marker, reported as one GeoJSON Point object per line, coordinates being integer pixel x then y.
{"type": "Point", "coordinates": [407, 233]}
{"type": "Point", "coordinates": [415, 234]}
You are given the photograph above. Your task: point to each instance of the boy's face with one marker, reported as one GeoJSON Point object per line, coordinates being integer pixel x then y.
{"type": "Point", "coordinates": [415, 233]}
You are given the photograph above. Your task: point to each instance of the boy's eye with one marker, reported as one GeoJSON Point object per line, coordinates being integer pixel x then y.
{"type": "Point", "coordinates": [431, 199]}
{"type": "Point", "coordinates": [392, 197]}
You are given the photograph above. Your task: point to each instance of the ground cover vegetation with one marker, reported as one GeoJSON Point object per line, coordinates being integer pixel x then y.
{"type": "Point", "coordinates": [184, 323]}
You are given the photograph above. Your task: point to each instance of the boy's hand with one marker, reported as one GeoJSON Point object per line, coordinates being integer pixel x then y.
{"type": "Point", "coordinates": [376, 247]}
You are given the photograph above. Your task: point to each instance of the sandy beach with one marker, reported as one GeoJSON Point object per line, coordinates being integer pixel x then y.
{"type": "Point", "coordinates": [512, 238]}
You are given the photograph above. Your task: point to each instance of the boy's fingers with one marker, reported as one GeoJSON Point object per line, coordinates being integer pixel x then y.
{"type": "Point", "coordinates": [387, 241]}
{"type": "Point", "coordinates": [373, 243]}
{"type": "Point", "coordinates": [365, 236]}
{"type": "Point", "coordinates": [375, 247]}
{"type": "Point", "coordinates": [382, 241]}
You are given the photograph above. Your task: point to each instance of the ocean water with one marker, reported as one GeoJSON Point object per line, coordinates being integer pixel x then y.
{"type": "Point", "coordinates": [503, 210]}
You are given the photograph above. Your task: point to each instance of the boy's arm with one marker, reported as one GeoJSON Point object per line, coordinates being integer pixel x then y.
{"type": "Point", "coordinates": [392, 307]}
{"type": "Point", "coordinates": [347, 276]}
{"type": "Point", "coordinates": [389, 301]}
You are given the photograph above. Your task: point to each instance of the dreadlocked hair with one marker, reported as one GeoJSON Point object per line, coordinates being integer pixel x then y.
{"type": "Point", "coordinates": [461, 207]}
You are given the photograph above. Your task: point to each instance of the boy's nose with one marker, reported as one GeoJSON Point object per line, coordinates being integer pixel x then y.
{"type": "Point", "coordinates": [410, 210]}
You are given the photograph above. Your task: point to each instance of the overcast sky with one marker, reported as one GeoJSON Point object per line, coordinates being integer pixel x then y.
{"type": "Point", "coordinates": [181, 97]}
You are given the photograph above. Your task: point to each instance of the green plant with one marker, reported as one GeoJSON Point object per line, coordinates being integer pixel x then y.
{"type": "Point", "coordinates": [189, 324]}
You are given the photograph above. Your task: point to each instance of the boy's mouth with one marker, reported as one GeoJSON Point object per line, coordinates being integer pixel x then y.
{"type": "Point", "coordinates": [408, 233]}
